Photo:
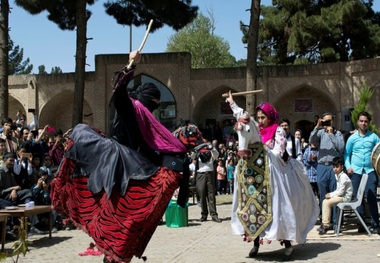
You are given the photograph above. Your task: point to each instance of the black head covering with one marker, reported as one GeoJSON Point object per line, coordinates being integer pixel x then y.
{"type": "Point", "coordinates": [145, 93]}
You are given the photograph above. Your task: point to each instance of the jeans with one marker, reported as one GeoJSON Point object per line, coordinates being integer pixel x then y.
{"type": "Point", "coordinates": [370, 194]}
{"type": "Point", "coordinates": [230, 186]}
{"type": "Point", "coordinates": [326, 184]}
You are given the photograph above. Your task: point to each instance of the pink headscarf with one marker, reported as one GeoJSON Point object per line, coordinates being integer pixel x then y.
{"type": "Point", "coordinates": [267, 133]}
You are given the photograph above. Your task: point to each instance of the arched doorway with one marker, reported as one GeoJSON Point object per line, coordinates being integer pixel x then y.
{"type": "Point", "coordinates": [301, 105]}
{"type": "Point", "coordinates": [214, 116]}
{"type": "Point", "coordinates": [306, 127]}
{"type": "Point", "coordinates": [56, 111]}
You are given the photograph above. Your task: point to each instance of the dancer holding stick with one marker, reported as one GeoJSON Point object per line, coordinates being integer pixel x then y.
{"type": "Point", "coordinates": [117, 188]}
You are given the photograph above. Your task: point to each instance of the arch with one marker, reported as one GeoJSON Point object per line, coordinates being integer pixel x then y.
{"type": "Point", "coordinates": [212, 109]}
{"type": "Point", "coordinates": [14, 105]}
{"type": "Point", "coordinates": [56, 111]}
{"type": "Point", "coordinates": [300, 104]}
{"type": "Point", "coordinates": [212, 106]}
{"type": "Point", "coordinates": [167, 112]}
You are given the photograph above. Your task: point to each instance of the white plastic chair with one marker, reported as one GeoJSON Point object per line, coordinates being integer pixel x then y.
{"type": "Point", "coordinates": [354, 205]}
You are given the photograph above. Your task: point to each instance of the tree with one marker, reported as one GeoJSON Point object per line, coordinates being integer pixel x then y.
{"type": "Point", "coordinates": [16, 64]}
{"type": "Point", "coordinates": [56, 70]}
{"type": "Point", "coordinates": [4, 36]}
{"type": "Point", "coordinates": [42, 70]}
{"type": "Point", "coordinates": [207, 50]}
{"type": "Point", "coordinates": [70, 15]}
{"type": "Point", "coordinates": [252, 39]}
{"type": "Point", "coordinates": [304, 32]}
{"type": "Point", "coordinates": [174, 13]}
{"type": "Point", "coordinates": [365, 96]}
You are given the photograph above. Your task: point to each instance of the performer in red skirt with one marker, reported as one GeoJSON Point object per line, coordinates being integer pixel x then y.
{"type": "Point", "coordinates": [117, 188]}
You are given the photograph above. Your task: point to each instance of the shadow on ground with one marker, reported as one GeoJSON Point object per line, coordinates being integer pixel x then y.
{"type": "Point", "coordinates": [307, 251]}
{"type": "Point", "coordinates": [48, 242]}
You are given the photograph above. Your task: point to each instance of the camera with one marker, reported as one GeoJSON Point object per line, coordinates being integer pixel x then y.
{"type": "Point", "coordinates": [209, 147]}
{"type": "Point", "coordinates": [26, 155]}
{"type": "Point", "coordinates": [326, 123]}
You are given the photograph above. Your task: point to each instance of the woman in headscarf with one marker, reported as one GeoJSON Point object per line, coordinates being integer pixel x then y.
{"type": "Point", "coordinates": [117, 188]}
{"type": "Point", "coordinates": [294, 207]}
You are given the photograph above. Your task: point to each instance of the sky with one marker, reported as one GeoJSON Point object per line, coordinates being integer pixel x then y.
{"type": "Point", "coordinates": [45, 44]}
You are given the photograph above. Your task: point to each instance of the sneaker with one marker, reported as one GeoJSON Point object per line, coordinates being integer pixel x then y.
{"type": "Point", "coordinates": [323, 230]}
{"type": "Point", "coordinates": [327, 228]}
{"type": "Point", "coordinates": [216, 219]}
{"type": "Point", "coordinates": [54, 230]}
{"type": "Point", "coordinates": [361, 229]}
{"type": "Point", "coordinates": [70, 226]}
{"type": "Point", "coordinates": [375, 230]}
{"type": "Point", "coordinates": [11, 236]}
{"type": "Point", "coordinates": [35, 231]}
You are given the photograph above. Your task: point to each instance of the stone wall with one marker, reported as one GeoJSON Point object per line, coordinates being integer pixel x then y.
{"type": "Point", "coordinates": [329, 87]}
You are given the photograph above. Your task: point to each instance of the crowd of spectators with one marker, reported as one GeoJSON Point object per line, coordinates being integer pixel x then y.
{"type": "Point", "coordinates": [315, 152]}
{"type": "Point", "coordinates": [29, 157]}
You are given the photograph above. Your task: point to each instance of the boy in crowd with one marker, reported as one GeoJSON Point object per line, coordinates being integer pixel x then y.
{"type": "Point", "coordinates": [343, 193]}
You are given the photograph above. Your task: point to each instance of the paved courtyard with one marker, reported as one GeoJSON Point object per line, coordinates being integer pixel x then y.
{"type": "Point", "coordinates": [207, 242]}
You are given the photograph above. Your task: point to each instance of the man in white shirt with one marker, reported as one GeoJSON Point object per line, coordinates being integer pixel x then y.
{"type": "Point", "coordinates": [293, 146]}
{"type": "Point", "coordinates": [206, 182]}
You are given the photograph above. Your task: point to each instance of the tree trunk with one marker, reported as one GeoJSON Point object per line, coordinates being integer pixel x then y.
{"type": "Point", "coordinates": [4, 36]}
{"type": "Point", "coordinates": [253, 37]}
{"type": "Point", "coordinates": [80, 62]}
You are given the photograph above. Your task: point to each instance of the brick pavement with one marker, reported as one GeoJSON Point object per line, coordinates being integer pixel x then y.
{"type": "Point", "coordinates": [203, 242]}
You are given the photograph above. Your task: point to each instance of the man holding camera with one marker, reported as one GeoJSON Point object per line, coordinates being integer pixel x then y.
{"type": "Point", "coordinates": [205, 181]}
{"type": "Point", "coordinates": [331, 144]}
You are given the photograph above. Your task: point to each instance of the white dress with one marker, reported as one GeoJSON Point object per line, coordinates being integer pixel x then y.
{"type": "Point", "coordinates": [294, 207]}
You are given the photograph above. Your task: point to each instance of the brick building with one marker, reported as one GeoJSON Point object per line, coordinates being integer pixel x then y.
{"type": "Point", "coordinates": [298, 92]}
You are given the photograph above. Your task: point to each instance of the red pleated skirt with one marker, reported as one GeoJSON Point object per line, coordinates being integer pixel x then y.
{"type": "Point", "coordinates": [121, 226]}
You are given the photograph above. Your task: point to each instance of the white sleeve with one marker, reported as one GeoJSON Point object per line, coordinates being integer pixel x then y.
{"type": "Point", "coordinates": [30, 168]}
{"type": "Point", "coordinates": [237, 111]}
{"type": "Point", "coordinates": [17, 167]}
{"type": "Point", "coordinates": [297, 143]}
{"type": "Point", "coordinates": [279, 141]}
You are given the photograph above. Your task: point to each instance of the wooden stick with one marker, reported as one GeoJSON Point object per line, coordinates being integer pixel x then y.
{"type": "Point", "coordinates": [226, 95]}
{"type": "Point", "coordinates": [142, 43]}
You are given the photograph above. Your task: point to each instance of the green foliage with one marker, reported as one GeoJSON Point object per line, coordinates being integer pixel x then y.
{"type": "Point", "coordinates": [42, 69]}
{"type": "Point", "coordinates": [365, 96]}
{"type": "Point", "coordinates": [56, 70]}
{"type": "Point", "coordinates": [241, 63]}
{"type": "Point", "coordinates": [20, 246]}
{"type": "Point", "coordinates": [174, 13]}
{"type": "Point", "coordinates": [15, 60]}
{"type": "Point", "coordinates": [3, 256]}
{"type": "Point", "coordinates": [299, 32]}
{"type": "Point", "coordinates": [207, 50]}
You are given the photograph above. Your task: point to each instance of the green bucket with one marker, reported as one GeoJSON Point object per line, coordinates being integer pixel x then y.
{"type": "Point", "coordinates": [175, 215]}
